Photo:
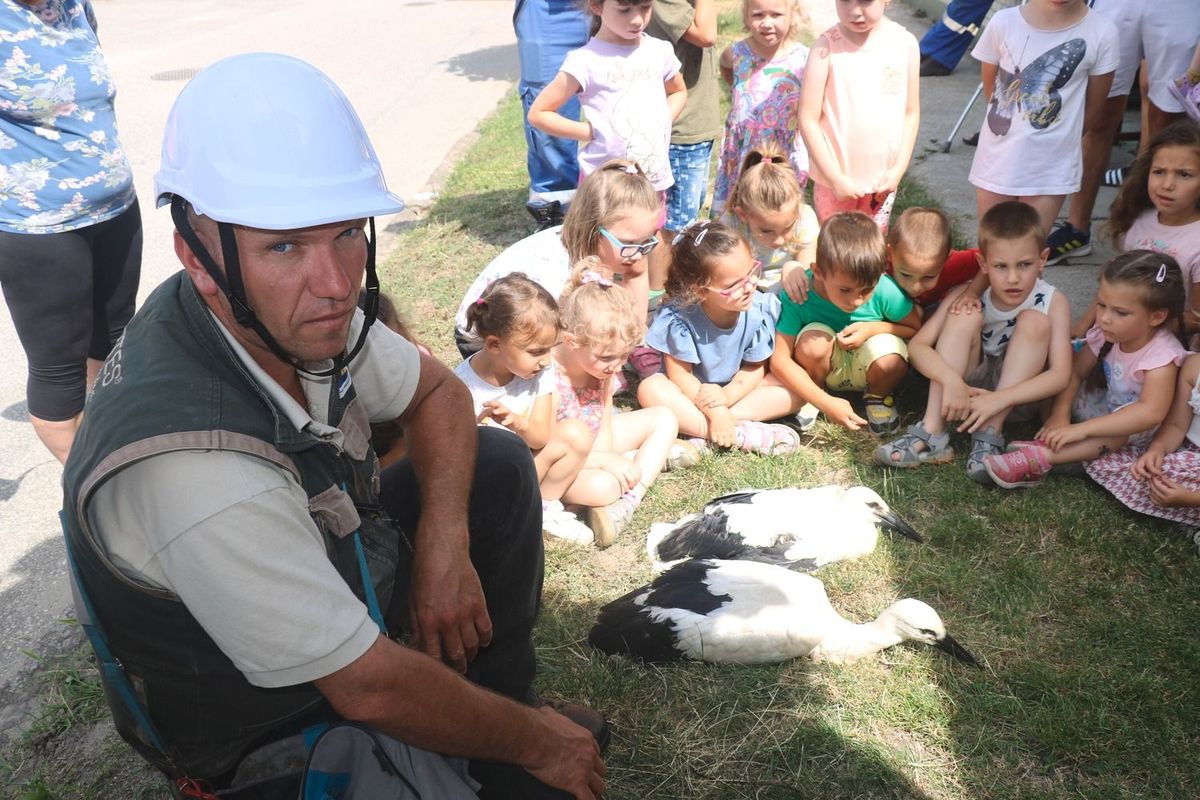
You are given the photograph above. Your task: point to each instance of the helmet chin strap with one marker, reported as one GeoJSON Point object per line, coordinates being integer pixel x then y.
{"type": "Point", "coordinates": [231, 284]}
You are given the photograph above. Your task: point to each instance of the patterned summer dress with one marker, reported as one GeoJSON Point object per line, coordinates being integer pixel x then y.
{"type": "Point", "coordinates": [1182, 467]}
{"type": "Point", "coordinates": [765, 107]}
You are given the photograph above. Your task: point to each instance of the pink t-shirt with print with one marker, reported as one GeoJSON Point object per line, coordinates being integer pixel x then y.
{"type": "Point", "coordinates": [1180, 242]}
{"type": "Point", "coordinates": [1126, 372]}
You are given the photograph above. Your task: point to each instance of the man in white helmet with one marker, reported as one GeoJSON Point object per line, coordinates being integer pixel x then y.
{"type": "Point", "coordinates": [229, 528]}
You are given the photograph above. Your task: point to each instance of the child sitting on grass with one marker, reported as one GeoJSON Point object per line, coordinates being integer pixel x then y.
{"type": "Point", "coordinates": [628, 450]}
{"type": "Point", "coordinates": [848, 334]}
{"type": "Point", "coordinates": [716, 333]}
{"type": "Point", "coordinates": [983, 366]}
{"type": "Point", "coordinates": [920, 259]}
{"type": "Point", "coordinates": [1164, 479]}
{"type": "Point", "coordinates": [517, 322]}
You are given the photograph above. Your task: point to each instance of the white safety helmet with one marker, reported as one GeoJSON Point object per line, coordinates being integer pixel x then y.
{"type": "Point", "coordinates": [269, 141]}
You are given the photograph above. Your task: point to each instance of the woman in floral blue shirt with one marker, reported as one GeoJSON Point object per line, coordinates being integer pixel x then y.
{"type": "Point", "coordinates": [70, 228]}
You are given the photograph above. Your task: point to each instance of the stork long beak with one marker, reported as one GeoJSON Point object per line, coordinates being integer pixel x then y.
{"type": "Point", "coordinates": [892, 521]}
{"type": "Point", "coordinates": [948, 645]}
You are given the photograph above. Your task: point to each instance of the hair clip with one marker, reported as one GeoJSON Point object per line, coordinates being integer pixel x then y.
{"type": "Point", "coordinates": [1162, 273]}
{"type": "Point", "coordinates": [592, 276]}
{"type": "Point", "coordinates": [691, 227]}
{"type": "Point", "coordinates": [479, 301]}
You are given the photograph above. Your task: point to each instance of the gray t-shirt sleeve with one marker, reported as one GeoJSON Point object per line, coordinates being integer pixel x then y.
{"type": "Point", "coordinates": [237, 545]}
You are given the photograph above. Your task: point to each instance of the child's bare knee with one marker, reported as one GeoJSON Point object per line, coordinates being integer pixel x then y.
{"type": "Point", "coordinates": [664, 419]}
{"type": "Point", "coordinates": [813, 350]}
{"type": "Point", "coordinates": [574, 434]}
{"type": "Point", "coordinates": [890, 365]}
{"type": "Point", "coordinates": [1033, 322]}
{"type": "Point", "coordinates": [966, 325]}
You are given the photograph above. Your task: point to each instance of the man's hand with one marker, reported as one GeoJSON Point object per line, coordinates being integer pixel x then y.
{"type": "Point", "coordinates": [448, 614]}
{"type": "Point", "coordinates": [569, 758]}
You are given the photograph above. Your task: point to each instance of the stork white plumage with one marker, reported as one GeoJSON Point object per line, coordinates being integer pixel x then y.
{"type": "Point", "coordinates": [800, 528]}
{"type": "Point", "coordinates": [748, 612]}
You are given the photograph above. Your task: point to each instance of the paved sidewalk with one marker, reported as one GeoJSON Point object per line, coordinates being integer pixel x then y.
{"type": "Point", "coordinates": [421, 75]}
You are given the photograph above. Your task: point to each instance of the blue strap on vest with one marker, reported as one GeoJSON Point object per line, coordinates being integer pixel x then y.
{"type": "Point", "coordinates": [368, 588]}
{"type": "Point", "coordinates": [114, 673]}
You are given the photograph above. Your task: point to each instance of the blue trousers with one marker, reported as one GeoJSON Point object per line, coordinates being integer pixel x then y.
{"type": "Point", "coordinates": [546, 31]}
{"type": "Point", "coordinates": [947, 41]}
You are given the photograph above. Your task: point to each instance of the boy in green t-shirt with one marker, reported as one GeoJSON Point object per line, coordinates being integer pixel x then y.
{"type": "Point", "coordinates": [849, 332]}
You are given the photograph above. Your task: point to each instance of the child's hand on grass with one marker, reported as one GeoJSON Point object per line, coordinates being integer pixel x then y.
{"type": "Point", "coordinates": [840, 411]}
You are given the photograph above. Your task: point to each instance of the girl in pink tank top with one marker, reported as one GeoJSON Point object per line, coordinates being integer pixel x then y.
{"type": "Point", "coordinates": [859, 111]}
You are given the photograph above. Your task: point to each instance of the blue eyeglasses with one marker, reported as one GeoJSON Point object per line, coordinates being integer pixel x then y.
{"type": "Point", "coordinates": [625, 250]}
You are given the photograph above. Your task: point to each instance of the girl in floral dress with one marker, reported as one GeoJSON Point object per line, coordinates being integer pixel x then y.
{"type": "Point", "coordinates": [764, 71]}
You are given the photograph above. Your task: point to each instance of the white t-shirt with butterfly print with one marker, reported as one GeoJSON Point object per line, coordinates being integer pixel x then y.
{"type": "Point", "coordinates": [1031, 140]}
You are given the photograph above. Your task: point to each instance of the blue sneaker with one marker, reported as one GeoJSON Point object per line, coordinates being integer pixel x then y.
{"type": "Point", "coordinates": [1067, 240]}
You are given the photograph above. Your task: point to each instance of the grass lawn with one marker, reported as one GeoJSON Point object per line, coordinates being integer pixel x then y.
{"type": "Point", "coordinates": [1083, 615]}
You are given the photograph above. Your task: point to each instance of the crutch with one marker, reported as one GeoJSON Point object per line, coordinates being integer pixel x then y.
{"type": "Point", "coordinates": [975, 97]}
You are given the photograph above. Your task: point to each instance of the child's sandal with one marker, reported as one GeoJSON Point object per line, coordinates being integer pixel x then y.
{"type": "Point", "coordinates": [937, 450]}
{"type": "Point", "coordinates": [766, 439]}
{"type": "Point", "coordinates": [983, 443]}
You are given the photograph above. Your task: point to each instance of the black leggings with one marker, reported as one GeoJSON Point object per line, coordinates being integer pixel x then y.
{"type": "Point", "coordinates": [70, 296]}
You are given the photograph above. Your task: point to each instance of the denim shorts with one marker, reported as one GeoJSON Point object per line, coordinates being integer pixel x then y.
{"type": "Point", "coordinates": [690, 166]}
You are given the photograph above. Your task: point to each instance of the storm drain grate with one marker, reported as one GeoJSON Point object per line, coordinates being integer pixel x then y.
{"type": "Point", "coordinates": [175, 74]}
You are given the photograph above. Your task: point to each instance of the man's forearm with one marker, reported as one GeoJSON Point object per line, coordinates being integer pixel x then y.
{"type": "Point", "coordinates": [440, 430]}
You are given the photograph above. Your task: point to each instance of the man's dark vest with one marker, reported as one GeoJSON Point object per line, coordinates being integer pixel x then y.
{"type": "Point", "coordinates": [173, 383]}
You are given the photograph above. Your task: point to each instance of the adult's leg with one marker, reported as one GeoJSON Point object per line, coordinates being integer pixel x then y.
{"type": "Point", "coordinates": [947, 41]}
{"type": "Point", "coordinates": [984, 200]}
{"type": "Point", "coordinates": [506, 550]}
{"type": "Point", "coordinates": [47, 283]}
{"type": "Point", "coordinates": [1047, 206]}
{"type": "Point", "coordinates": [1097, 149]}
{"type": "Point", "coordinates": [117, 265]}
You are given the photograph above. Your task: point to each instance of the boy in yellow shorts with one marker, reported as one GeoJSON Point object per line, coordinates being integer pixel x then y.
{"type": "Point", "coordinates": [849, 333]}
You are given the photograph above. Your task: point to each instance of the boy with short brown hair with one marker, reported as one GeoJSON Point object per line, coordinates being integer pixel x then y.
{"type": "Point", "coordinates": [920, 259]}
{"type": "Point", "coordinates": [849, 332]}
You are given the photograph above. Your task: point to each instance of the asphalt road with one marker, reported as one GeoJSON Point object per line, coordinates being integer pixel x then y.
{"type": "Point", "coordinates": [421, 75]}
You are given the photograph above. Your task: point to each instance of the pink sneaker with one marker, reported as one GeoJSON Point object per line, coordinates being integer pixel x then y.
{"type": "Point", "coordinates": [1019, 468]}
